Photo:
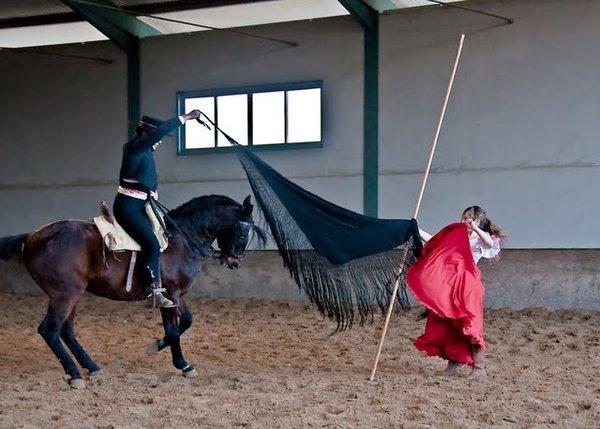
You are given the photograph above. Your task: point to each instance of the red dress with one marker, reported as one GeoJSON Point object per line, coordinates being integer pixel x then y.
{"type": "Point", "coordinates": [447, 281]}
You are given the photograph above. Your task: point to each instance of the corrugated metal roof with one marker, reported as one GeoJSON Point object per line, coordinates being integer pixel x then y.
{"type": "Point", "coordinates": [29, 8]}
{"type": "Point", "coordinates": [248, 14]}
{"type": "Point", "coordinates": [45, 35]}
{"type": "Point", "coordinates": [238, 14]}
{"type": "Point", "coordinates": [415, 3]}
{"type": "Point", "coordinates": [385, 5]}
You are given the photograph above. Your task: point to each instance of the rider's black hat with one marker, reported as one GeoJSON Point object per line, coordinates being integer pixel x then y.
{"type": "Point", "coordinates": [149, 123]}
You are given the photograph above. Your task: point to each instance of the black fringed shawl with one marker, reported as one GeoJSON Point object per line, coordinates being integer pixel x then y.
{"type": "Point", "coordinates": [341, 259]}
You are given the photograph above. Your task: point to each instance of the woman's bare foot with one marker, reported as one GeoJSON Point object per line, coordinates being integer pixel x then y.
{"type": "Point", "coordinates": [478, 373]}
{"type": "Point", "coordinates": [450, 368]}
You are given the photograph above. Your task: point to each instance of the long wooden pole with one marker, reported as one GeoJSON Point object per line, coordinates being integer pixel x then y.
{"type": "Point", "coordinates": [418, 203]}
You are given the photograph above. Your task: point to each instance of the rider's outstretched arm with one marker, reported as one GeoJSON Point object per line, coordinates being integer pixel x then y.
{"type": "Point", "coordinates": [150, 138]}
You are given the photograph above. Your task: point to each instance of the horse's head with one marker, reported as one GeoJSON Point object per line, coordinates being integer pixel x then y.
{"type": "Point", "coordinates": [210, 217]}
{"type": "Point", "coordinates": [234, 238]}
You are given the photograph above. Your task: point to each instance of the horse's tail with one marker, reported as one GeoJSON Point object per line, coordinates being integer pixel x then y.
{"type": "Point", "coordinates": [12, 246]}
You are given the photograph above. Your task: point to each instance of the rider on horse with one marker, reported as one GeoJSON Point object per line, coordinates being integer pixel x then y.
{"type": "Point", "coordinates": [137, 185]}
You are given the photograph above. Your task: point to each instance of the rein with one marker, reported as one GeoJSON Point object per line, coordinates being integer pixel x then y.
{"type": "Point", "coordinates": [159, 208]}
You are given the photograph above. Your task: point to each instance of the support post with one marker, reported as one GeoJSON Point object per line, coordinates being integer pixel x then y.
{"type": "Point", "coordinates": [133, 88]}
{"type": "Point", "coordinates": [368, 18]}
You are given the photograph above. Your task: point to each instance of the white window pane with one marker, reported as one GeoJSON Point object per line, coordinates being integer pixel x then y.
{"type": "Point", "coordinates": [268, 120]}
{"type": "Point", "coordinates": [198, 136]}
{"type": "Point", "coordinates": [233, 118]}
{"type": "Point", "coordinates": [304, 115]}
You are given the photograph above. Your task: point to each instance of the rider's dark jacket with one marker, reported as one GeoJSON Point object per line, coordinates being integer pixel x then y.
{"type": "Point", "coordinates": [138, 159]}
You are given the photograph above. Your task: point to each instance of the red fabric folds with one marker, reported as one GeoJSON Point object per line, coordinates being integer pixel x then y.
{"type": "Point", "coordinates": [447, 281]}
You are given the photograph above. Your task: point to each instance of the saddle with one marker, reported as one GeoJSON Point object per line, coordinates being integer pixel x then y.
{"type": "Point", "coordinates": [116, 239]}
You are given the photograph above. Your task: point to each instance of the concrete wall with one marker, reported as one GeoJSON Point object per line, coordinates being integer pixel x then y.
{"type": "Point", "coordinates": [520, 135]}
{"type": "Point", "coordinates": [62, 123]}
{"type": "Point", "coordinates": [329, 50]}
{"type": "Point", "coordinates": [521, 278]}
{"type": "Point", "coordinates": [519, 138]}
{"type": "Point", "coordinates": [64, 120]}
{"type": "Point", "coordinates": [521, 132]}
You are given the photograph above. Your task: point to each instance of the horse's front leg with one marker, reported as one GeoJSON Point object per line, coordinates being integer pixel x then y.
{"type": "Point", "coordinates": [169, 316]}
{"type": "Point", "coordinates": [185, 321]}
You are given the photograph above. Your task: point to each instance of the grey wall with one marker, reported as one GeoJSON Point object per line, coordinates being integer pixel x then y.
{"type": "Point", "coordinates": [62, 123]}
{"type": "Point", "coordinates": [330, 50]}
{"type": "Point", "coordinates": [521, 132]}
{"type": "Point", "coordinates": [519, 138]}
{"type": "Point", "coordinates": [64, 120]}
{"type": "Point", "coordinates": [520, 135]}
{"type": "Point", "coordinates": [521, 278]}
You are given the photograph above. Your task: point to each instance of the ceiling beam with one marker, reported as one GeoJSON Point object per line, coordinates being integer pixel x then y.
{"type": "Point", "coordinates": [28, 21]}
{"type": "Point", "coordinates": [181, 5]}
{"type": "Point", "coordinates": [382, 5]}
{"type": "Point", "coordinates": [366, 16]}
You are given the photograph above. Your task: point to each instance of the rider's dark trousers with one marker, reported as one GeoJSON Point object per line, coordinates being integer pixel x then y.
{"type": "Point", "coordinates": [130, 213]}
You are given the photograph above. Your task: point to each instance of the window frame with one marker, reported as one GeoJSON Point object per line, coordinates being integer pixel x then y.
{"type": "Point", "coordinates": [248, 90]}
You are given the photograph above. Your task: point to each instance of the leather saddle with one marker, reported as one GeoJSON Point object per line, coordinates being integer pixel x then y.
{"type": "Point", "coordinates": [116, 239]}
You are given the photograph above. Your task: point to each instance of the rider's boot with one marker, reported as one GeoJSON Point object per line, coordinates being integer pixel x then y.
{"type": "Point", "coordinates": [156, 297]}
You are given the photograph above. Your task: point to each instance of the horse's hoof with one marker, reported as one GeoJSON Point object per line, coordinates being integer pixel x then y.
{"type": "Point", "coordinates": [77, 383]}
{"type": "Point", "coordinates": [192, 373]}
{"type": "Point", "coordinates": [153, 348]}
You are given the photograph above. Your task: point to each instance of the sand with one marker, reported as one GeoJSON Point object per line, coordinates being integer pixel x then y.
{"type": "Point", "coordinates": [271, 364]}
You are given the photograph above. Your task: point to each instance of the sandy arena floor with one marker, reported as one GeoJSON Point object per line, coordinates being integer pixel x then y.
{"type": "Point", "coordinates": [269, 364]}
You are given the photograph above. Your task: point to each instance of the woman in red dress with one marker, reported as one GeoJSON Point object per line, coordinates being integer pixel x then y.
{"type": "Point", "coordinates": [447, 281]}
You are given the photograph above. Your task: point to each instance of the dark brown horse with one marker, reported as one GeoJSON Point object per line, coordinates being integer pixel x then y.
{"type": "Point", "coordinates": [67, 258]}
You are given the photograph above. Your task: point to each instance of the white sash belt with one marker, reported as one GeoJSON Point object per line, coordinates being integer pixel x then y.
{"type": "Point", "coordinates": [134, 193]}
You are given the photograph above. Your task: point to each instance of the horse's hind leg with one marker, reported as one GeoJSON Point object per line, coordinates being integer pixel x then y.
{"type": "Point", "coordinates": [50, 330]}
{"type": "Point", "coordinates": [185, 321]}
{"type": "Point", "coordinates": [169, 316]}
{"type": "Point", "coordinates": [68, 336]}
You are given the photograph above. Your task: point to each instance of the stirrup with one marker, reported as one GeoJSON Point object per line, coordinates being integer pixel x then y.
{"type": "Point", "coordinates": [157, 299]}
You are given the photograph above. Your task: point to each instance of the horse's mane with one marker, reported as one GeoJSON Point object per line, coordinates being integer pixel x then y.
{"type": "Point", "coordinates": [198, 205]}
{"type": "Point", "coordinates": [192, 216]}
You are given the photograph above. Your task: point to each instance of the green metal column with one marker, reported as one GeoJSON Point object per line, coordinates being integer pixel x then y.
{"type": "Point", "coordinates": [133, 88]}
{"type": "Point", "coordinates": [368, 18]}
{"type": "Point", "coordinates": [125, 30]}
{"type": "Point", "coordinates": [371, 121]}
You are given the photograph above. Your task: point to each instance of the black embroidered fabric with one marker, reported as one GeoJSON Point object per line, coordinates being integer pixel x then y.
{"type": "Point", "coordinates": [345, 262]}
